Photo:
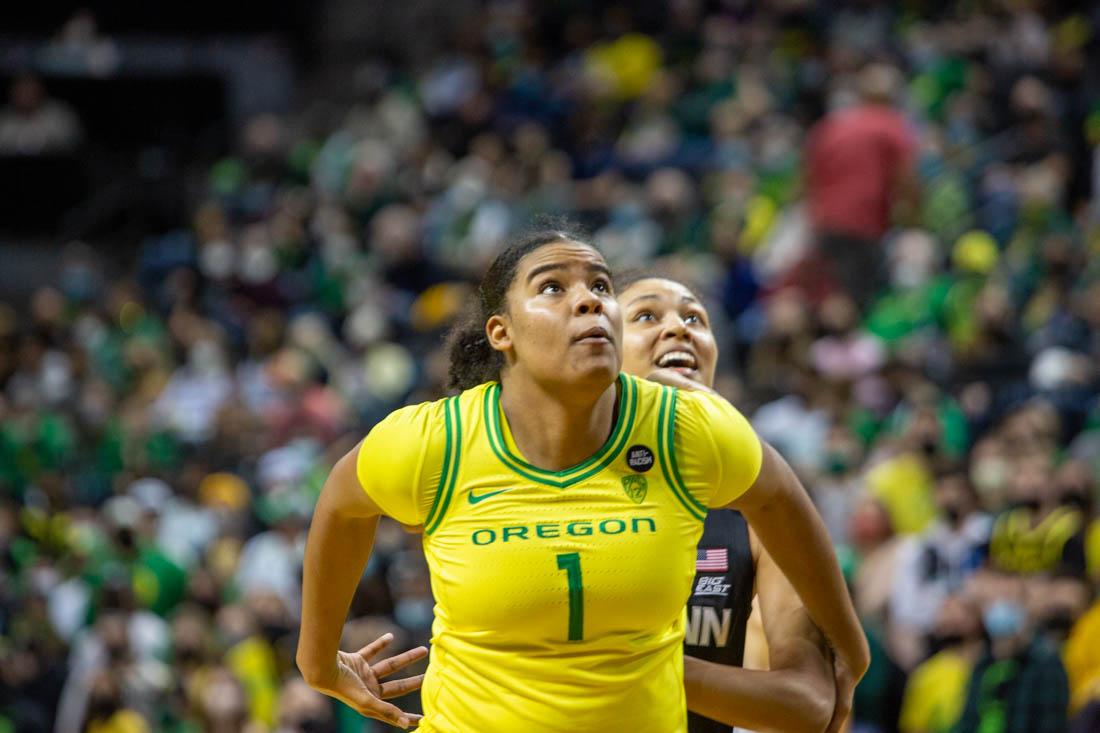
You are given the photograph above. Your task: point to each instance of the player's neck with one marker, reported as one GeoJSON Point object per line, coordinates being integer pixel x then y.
{"type": "Point", "coordinates": [555, 429]}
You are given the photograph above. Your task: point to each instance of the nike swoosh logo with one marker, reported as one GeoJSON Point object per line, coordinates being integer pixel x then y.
{"type": "Point", "coordinates": [474, 498]}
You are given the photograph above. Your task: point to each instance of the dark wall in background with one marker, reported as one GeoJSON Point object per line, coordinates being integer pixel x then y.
{"type": "Point", "coordinates": [136, 129]}
{"type": "Point", "coordinates": [173, 17]}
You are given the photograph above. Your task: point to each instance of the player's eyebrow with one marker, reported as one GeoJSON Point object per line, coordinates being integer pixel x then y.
{"type": "Point", "coordinates": [644, 296]}
{"type": "Point", "coordinates": [600, 268]}
{"type": "Point", "coordinates": [654, 296]}
{"type": "Point", "coordinates": [551, 266]}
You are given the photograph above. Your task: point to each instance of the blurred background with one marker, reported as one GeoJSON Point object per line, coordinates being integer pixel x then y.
{"type": "Point", "coordinates": [233, 235]}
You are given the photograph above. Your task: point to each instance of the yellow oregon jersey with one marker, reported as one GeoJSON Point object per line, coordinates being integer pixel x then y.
{"type": "Point", "coordinates": [559, 595]}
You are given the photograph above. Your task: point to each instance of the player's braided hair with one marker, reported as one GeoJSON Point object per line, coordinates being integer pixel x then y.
{"type": "Point", "coordinates": [473, 360]}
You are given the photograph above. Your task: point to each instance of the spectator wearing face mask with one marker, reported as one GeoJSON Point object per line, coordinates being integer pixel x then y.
{"type": "Point", "coordinates": [936, 563]}
{"type": "Point", "coordinates": [936, 690]}
{"type": "Point", "coordinates": [845, 352]}
{"type": "Point", "coordinates": [1060, 606]}
{"type": "Point", "coordinates": [1019, 684]}
{"type": "Point", "coordinates": [837, 490]}
{"type": "Point", "coordinates": [1055, 603]}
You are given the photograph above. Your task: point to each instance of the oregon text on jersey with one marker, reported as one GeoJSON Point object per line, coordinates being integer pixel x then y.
{"type": "Point", "coordinates": [552, 530]}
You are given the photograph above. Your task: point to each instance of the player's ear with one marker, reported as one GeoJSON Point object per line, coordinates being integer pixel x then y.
{"type": "Point", "coordinates": [499, 333]}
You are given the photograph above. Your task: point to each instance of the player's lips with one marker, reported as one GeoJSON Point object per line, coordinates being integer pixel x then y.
{"type": "Point", "coordinates": [680, 359]}
{"type": "Point", "coordinates": [594, 335]}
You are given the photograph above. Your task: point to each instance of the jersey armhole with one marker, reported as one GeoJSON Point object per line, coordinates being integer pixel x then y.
{"type": "Point", "coordinates": [666, 450]}
{"type": "Point", "coordinates": [452, 453]}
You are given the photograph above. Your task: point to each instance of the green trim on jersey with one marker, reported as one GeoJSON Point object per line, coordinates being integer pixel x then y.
{"type": "Point", "coordinates": [451, 455]}
{"type": "Point", "coordinates": [666, 425]}
{"type": "Point", "coordinates": [624, 425]}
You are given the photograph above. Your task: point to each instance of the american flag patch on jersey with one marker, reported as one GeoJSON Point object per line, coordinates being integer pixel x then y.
{"type": "Point", "coordinates": [712, 560]}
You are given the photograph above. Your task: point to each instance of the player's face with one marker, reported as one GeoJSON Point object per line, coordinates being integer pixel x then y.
{"type": "Point", "coordinates": [563, 323]}
{"type": "Point", "coordinates": [666, 327]}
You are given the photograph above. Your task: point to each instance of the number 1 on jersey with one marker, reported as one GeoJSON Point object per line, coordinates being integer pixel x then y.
{"type": "Point", "coordinates": [570, 562]}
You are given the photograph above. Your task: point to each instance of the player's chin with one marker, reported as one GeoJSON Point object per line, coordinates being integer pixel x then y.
{"type": "Point", "coordinates": [597, 369]}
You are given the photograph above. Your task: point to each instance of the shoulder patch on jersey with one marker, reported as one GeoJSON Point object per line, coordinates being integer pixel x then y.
{"type": "Point", "coordinates": [640, 458]}
{"type": "Point", "coordinates": [635, 487]}
{"type": "Point", "coordinates": [712, 585]}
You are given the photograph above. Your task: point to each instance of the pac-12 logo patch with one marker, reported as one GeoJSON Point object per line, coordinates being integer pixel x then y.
{"type": "Point", "coordinates": [635, 487]}
{"type": "Point", "coordinates": [639, 458]}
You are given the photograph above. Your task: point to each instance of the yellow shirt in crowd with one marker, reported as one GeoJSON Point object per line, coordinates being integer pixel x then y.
{"type": "Point", "coordinates": [1081, 655]}
{"type": "Point", "coordinates": [904, 486]}
{"type": "Point", "coordinates": [935, 694]}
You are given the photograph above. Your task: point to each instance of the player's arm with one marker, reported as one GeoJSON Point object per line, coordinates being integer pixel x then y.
{"type": "Point", "coordinates": [343, 526]}
{"type": "Point", "coordinates": [797, 693]}
{"type": "Point", "coordinates": [754, 479]}
{"type": "Point", "coordinates": [337, 549]}
{"type": "Point", "coordinates": [779, 510]}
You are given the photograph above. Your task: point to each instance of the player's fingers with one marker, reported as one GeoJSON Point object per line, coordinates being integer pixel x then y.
{"type": "Point", "coordinates": [375, 646]}
{"type": "Point", "coordinates": [400, 687]}
{"type": "Point", "coordinates": [392, 664]}
{"type": "Point", "coordinates": [372, 707]}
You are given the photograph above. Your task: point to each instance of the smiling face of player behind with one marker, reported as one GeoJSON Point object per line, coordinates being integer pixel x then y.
{"type": "Point", "coordinates": [560, 324]}
{"type": "Point", "coordinates": [667, 327]}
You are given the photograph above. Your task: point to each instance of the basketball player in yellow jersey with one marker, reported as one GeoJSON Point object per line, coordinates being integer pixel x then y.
{"type": "Point", "coordinates": [666, 329]}
{"type": "Point", "coordinates": [561, 505]}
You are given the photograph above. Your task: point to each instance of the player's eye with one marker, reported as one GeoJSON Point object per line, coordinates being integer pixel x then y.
{"type": "Point", "coordinates": [693, 318]}
{"type": "Point", "coordinates": [550, 287]}
{"type": "Point", "coordinates": [602, 285]}
{"type": "Point", "coordinates": [644, 316]}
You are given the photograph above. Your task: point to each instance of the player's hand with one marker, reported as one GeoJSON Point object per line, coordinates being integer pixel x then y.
{"type": "Point", "coordinates": [845, 690]}
{"type": "Point", "coordinates": [673, 378]}
{"type": "Point", "coordinates": [356, 682]}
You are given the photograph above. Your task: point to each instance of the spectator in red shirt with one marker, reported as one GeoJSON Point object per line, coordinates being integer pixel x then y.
{"type": "Point", "coordinates": [859, 167]}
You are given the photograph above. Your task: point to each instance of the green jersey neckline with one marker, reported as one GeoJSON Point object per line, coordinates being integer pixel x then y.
{"type": "Point", "coordinates": [624, 426]}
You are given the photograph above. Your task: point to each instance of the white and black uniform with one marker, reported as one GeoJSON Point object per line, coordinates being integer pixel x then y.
{"type": "Point", "coordinates": [721, 599]}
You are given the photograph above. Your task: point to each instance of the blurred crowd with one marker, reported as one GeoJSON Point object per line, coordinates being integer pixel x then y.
{"type": "Point", "coordinates": [889, 206]}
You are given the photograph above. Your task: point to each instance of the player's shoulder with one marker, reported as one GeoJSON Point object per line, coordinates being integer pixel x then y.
{"type": "Point", "coordinates": [436, 412]}
{"type": "Point", "coordinates": [643, 387]}
{"type": "Point", "coordinates": [417, 416]}
{"type": "Point", "coordinates": [648, 395]}
{"type": "Point", "coordinates": [716, 444]}
{"type": "Point", "coordinates": [704, 410]}
{"type": "Point", "coordinates": [689, 409]}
